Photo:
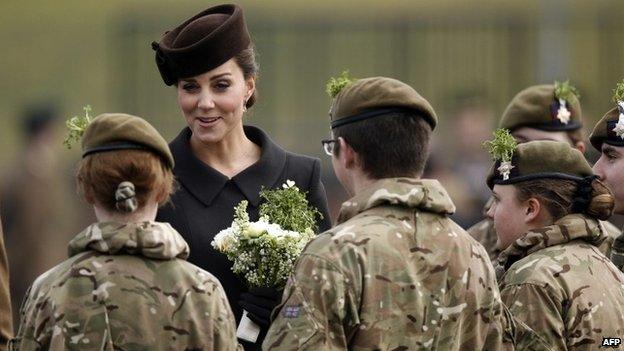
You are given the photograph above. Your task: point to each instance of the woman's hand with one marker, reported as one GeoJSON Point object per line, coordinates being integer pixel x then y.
{"type": "Point", "coordinates": [259, 303]}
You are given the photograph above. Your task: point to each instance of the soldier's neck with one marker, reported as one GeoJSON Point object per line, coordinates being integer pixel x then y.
{"type": "Point", "coordinates": [360, 181]}
{"type": "Point", "coordinates": [145, 214]}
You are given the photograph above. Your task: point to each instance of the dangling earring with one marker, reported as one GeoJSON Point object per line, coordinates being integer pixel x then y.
{"type": "Point", "coordinates": [244, 105]}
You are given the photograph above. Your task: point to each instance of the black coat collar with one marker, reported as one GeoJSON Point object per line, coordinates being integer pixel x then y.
{"type": "Point", "coordinates": [205, 183]}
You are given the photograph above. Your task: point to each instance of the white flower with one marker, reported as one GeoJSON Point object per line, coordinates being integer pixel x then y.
{"type": "Point", "coordinates": [289, 184]}
{"type": "Point", "coordinates": [619, 127]}
{"type": "Point", "coordinates": [563, 114]}
{"type": "Point", "coordinates": [256, 229]}
{"type": "Point", "coordinates": [224, 239]}
{"type": "Point", "coordinates": [505, 168]}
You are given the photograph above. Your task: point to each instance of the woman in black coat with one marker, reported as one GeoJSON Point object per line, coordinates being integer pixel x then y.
{"type": "Point", "coordinates": [219, 161]}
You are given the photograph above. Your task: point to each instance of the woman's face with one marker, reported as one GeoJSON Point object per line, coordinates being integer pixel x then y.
{"type": "Point", "coordinates": [508, 215]}
{"type": "Point", "coordinates": [213, 102]}
{"type": "Point", "coordinates": [610, 169]}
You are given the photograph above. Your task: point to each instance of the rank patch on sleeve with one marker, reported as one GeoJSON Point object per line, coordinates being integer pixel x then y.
{"type": "Point", "coordinates": [291, 311]}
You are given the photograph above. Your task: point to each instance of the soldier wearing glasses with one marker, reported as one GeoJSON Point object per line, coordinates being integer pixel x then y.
{"type": "Point", "coordinates": [395, 273]}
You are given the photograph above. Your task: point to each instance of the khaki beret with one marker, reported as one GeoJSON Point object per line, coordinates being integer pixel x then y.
{"type": "Point", "coordinates": [542, 159]}
{"type": "Point", "coordinates": [377, 96]}
{"type": "Point", "coordinates": [537, 107]}
{"type": "Point", "coordinates": [605, 132]}
{"type": "Point", "coordinates": [119, 131]}
{"type": "Point", "coordinates": [201, 43]}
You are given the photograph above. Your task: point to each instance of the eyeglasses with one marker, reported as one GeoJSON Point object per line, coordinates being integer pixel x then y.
{"type": "Point", "coordinates": [328, 146]}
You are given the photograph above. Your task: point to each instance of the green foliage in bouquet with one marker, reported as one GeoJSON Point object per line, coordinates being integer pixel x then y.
{"type": "Point", "coordinates": [502, 146]}
{"type": "Point", "coordinates": [76, 127]}
{"type": "Point", "coordinates": [241, 218]}
{"type": "Point", "coordinates": [335, 85]}
{"type": "Point", "coordinates": [565, 91]}
{"type": "Point", "coordinates": [264, 252]}
{"type": "Point", "coordinates": [289, 208]}
{"type": "Point", "coordinates": [618, 92]}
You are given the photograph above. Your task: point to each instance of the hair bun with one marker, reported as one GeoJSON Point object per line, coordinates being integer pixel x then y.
{"type": "Point", "coordinates": [125, 197]}
{"type": "Point", "coordinates": [602, 202]}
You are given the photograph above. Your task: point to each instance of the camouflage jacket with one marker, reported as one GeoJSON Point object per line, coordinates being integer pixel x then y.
{"type": "Point", "coordinates": [485, 233]}
{"type": "Point", "coordinates": [395, 274]}
{"type": "Point", "coordinates": [556, 281]}
{"type": "Point", "coordinates": [126, 287]}
{"type": "Point", "coordinates": [6, 330]}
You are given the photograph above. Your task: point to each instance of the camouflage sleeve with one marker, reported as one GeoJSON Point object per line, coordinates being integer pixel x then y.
{"type": "Point", "coordinates": [5, 299]}
{"type": "Point", "coordinates": [201, 316]}
{"type": "Point", "coordinates": [318, 302]}
{"type": "Point", "coordinates": [204, 311]}
{"type": "Point", "coordinates": [39, 329]}
{"type": "Point", "coordinates": [25, 339]}
{"type": "Point", "coordinates": [485, 234]}
{"type": "Point", "coordinates": [612, 232]}
{"type": "Point", "coordinates": [537, 310]}
{"type": "Point", "coordinates": [224, 333]}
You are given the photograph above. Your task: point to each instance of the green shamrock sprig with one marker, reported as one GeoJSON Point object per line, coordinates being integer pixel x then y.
{"type": "Point", "coordinates": [289, 208]}
{"type": "Point", "coordinates": [566, 91]}
{"type": "Point", "coordinates": [76, 127]}
{"type": "Point", "coordinates": [618, 92]}
{"type": "Point", "coordinates": [502, 146]}
{"type": "Point", "coordinates": [335, 85]}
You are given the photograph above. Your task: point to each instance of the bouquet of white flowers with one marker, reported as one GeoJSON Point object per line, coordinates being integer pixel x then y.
{"type": "Point", "coordinates": [264, 252]}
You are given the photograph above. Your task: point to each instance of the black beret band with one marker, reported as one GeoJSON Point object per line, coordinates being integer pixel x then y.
{"type": "Point", "coordinates": [532, 176]}
{"type": "Point", "coordinates": [614, 141]}
{"type": "Point", "coordinates": [612, 138]}
{"type": "Point", "coordinates": [123, 145]}
{"type": "Point", "coordinates": [555, 126]}
{"type": "Point", "coordinates": [367, 115]}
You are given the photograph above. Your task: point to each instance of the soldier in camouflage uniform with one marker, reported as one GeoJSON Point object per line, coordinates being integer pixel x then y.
{"type": "Point", "coordinates": [553, 277]}
{"type": "Point", "coordinates": [534, 114]}
{"type": "Point", "coordinates": [126, 284]}
{"type": "Point", "coordinates": [6, 324]}
{"type": "Point", "coordinates": [395, 273]}
{"type": "Point", "coordinates": [608, 138]}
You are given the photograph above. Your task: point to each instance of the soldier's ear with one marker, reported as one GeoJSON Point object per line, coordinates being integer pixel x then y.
{"type": "Point", "coordinates": [532, 210]}
{"type": "Point", "coordinates": [580, 146]}
{"type": "Point", "coordinates": [346, 154]}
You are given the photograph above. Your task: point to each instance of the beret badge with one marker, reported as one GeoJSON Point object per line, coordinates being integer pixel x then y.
{"type": "Point", "coordinates": [618, 97]}
{"type": "Point", "coordinates": [564, 93]}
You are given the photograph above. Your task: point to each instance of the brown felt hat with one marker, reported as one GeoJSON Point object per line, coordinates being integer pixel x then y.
{"type": "Point", "coordinates": [542, 159]}
{"type": "Point", "coordinates": [201, 43]}
{"type": "Point", "coordinates": [377, 96]}
{"type": "Point", "coordinates": [604, 130]}
{"type": "Point", "coordinates": [537, 107]}
{"type": "Point", "coordinates": [118, 131]}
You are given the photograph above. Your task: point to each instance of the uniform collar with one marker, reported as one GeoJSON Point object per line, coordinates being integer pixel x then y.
{"type": "Point", "coordinates": [422, 194]}
{"type": "Point", "coordinates": [571, 227]}
{"type": "Point", "coordinates": [150, 239]}
{"type": "Point", "coordinates": [205, 183]}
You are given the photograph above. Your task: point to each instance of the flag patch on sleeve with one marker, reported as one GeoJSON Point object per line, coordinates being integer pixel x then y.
{"type": "Point", "coordinates": [291, 311]}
